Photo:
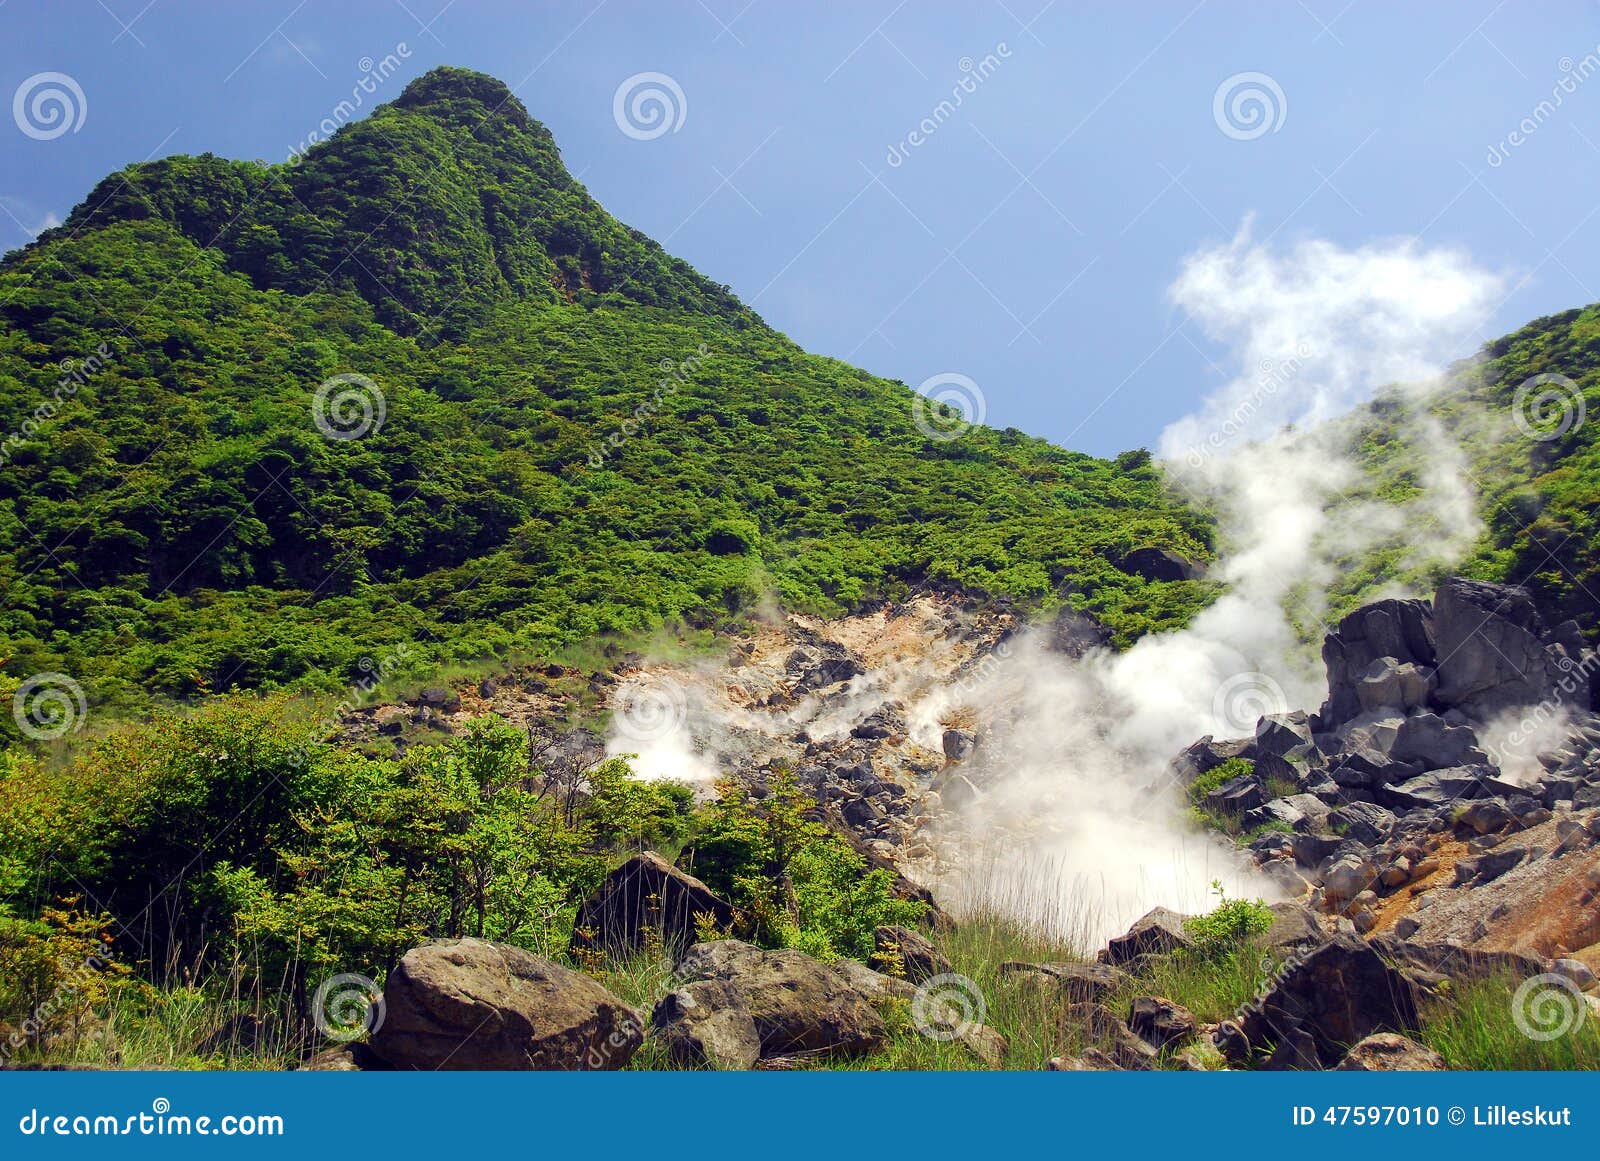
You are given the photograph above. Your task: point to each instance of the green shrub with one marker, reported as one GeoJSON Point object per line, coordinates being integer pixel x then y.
{"type": "Point", "coordinates": [1218, 776]}
{"type": "Point", "coordinates": [1229, 925]}
{"type": "Point", "coordinates": [799, 884]}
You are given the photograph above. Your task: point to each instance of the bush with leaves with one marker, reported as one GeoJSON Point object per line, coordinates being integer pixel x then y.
{"type": "Point", "coordinates": [798, 883]}
{"type": "Point", "coordinates": [1229, 925]}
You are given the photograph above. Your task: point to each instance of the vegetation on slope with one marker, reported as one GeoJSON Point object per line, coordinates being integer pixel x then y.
{"type": "Point", "coordinates": [1524, 415]}
{"type": "Point", "coordinates": [577, 435]}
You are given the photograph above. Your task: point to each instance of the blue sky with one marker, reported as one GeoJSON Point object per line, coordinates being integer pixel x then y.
{"type": "Point", "coordinates": [1027, 242]}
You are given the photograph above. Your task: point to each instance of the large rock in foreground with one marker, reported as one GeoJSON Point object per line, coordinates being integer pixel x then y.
{"type": "Point", "coordinates": [705, 1025]}
{"type": "Point", "coordinates": [1325, 1002]}
{"type": "Point", "coordinates": [646, 893]}
{"type": "Point", "coordinates": [799, 1005]}
{"type": "Point", "coordinates": [466, 1004]}
{"type": "Point", "coordinates": [1158, 932]}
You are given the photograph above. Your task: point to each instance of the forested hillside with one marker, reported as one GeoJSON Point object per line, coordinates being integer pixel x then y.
{"type": "Point", "coordinates": [535, 427]}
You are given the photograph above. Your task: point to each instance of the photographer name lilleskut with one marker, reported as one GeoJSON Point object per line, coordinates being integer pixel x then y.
{"type": "Point", "coordinates": [1502, 1116]}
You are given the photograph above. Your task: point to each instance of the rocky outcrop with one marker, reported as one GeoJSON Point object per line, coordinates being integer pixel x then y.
{"type": "Point", "coordinates": [1397, 763]}
{"type": "Point", "coordinates": [647, 895]}
{"type": "Point", "coordinates": [1495, 652]}
{"type": "Point", "coordinates": [1321, 1003]}
{"type": "Point", "coordinates": [1399, 630]}
{"type": "Point", "coordinates": [467, 1004]}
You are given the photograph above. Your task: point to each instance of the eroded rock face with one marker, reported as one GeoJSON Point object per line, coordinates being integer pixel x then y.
{"type": "Point", "coordinates": [468, 1004]}
{"type": "Point", "coordinates": [1401, 630]}
{"type": "Point", "coordinates": [1495, 652]}
{"type": "Point", "coordinates": [1325, 1001]}
{"type": "Point", "coordinates": [647, 893]}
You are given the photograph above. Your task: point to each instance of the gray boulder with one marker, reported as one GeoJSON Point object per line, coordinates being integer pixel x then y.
{"type": "Point", "coordinates": [1401, 630]}
{"type": "Point", "coordinates": [705, 1025]}
{"type": "Point", "coordinates": [1437, 788]}
{"type": "Point", "coordinates": [468, 1004]}
{"type": "Point", "coordinates": [1347, 877]}
{"type": "Point", "coordinates": [1282, 733]}
{"type": "Point", "coordinates": [1157, 932]}
{"type": "Point", "coordinates": [1389, 1052]}
{"type": "Point", "coordinates": [1161, 1022]}
{"type": "Point", "coordinates": [1496, 653]}
{"type": "Point", "coordinates": [1365, 822]}
{"type": "Point", "coordinates": [1363, 768]}
{"type": "Point", "coordinates": [875, 986]}
{"type": "Point", "coordinates": [1388, 684]}
{"type": "Point", "coordinates": [959, 744]}
{"type": "Point", "coordinates": [1293, 927]}
{"type": "Point", "coordinates": [887, 721]}
{"type": "Point", "coordinates": [1489, 866]}
{"type": "Point", "coordinates": [1428, 742]}
{"type": "Point", "coordinates": [798, 1004]}
{"type": "Point", "coordinates": [896, 947]}
{"type": "Point", "coordinates": [1237, 795]}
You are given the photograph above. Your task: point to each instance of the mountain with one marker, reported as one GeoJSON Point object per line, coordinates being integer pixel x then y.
{"type": "Point", "coordinates": [567, 431]}
{"type": "Point", "coordinates": [1522, 414]}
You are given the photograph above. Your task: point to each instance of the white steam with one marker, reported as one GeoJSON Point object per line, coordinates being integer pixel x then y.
{"type": "Point", "coordinates": [1075, 822]}
{"type": "Point", "coordinates": [1314, 330]}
